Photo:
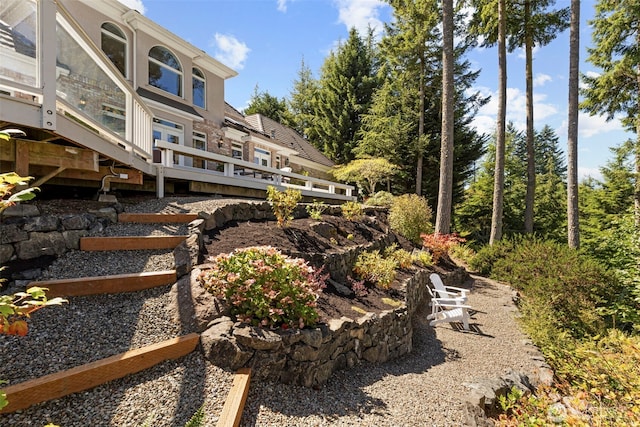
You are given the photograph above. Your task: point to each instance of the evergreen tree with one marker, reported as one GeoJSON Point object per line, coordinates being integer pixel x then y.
{"type": "Point", "coordinates": [346, 87]}
{"type": "Point", "coordinates": [268, 105]}
{"type": "Point", "coordinates": [616, 51]}
{"type": "Point", "coordinates": [302, 103]}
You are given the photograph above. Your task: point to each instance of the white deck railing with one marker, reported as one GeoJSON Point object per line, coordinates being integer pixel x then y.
{"type": "Point", "coordinates": [247, 174]}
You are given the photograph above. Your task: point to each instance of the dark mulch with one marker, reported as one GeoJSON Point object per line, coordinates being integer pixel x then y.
{"type": "Point", "coordinates": [300, 237]}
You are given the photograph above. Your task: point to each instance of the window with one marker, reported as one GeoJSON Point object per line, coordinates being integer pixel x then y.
{"type": "Point", "coordinates": [278, 163]}
{"type": "Point", "coordinates": [164, 71]}
{"type": "Point", "coordinates": [236, 151]}
{"type": "Point", "coordinates": [170, 132]}
{"type": "Point", "coordinates": [199, 88]}
{"type": "Point", "coordinates": [199, 140]}
{"type": "Point", "coordinates": [114, 45]}
{"type": "Point", "coordinates": [261, 157]}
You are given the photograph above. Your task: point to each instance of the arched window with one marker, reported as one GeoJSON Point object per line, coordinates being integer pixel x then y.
{"type": "Point", "coordinates": [199, 88]}
{"type": "Point", "coordinates": [165, 71]}
{"type": "Point", "coordinates": [114, 45]}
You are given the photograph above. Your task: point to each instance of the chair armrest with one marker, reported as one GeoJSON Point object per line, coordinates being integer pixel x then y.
{"type": "Point", "coordinates": [460, 290]}
{"type": "Point", "coordinates": [449, 302]}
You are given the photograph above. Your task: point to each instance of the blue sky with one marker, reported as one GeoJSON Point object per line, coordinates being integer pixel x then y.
{"type": "Point", "coordinates": [266, 40]}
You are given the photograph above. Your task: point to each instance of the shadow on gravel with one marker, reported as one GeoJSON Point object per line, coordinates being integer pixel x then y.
{"type": "Point", "coordinates": [345, 392]}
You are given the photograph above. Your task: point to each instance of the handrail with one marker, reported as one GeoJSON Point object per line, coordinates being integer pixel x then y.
{"type": "Point", "coordinates": [230, 162]}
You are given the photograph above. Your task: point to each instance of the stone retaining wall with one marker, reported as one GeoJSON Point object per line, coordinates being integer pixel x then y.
{"type": "Point", "coordinates": [25, 234]}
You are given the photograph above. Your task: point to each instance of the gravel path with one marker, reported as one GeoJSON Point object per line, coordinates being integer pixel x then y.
{"type": "Point", "coordinates": [423, 388]}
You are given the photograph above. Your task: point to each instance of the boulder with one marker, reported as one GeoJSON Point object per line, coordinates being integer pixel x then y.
{"type": "Point", "coordinates": [41, 244]}
{"type": "Point", "coordinates": [221, 348]}
{"type": "Point", "coordinates": [21, 210]}
{"type": "Point", "coordinates": [11, 233]}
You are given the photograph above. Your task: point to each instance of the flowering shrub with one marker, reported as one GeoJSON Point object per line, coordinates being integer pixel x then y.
{"type": "Point", "coordinates": [440, 244]}
{"type": "Point", "coordinates": [16, 308]}
{"type": "Point", "coordinates": [351, 210]}
{"type": "Point", "coordinates": [265, 287]}
{"type": "Point", "coordinates": [283, 203]}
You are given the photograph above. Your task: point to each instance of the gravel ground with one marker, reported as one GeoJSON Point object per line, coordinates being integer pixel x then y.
{"type": "Point", "coordinates": [423, 388]}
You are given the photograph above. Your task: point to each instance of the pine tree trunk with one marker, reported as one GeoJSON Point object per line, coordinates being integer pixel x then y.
{"type": "Point", "coordinates": [445, 188]}
{"type": "Point", "coordinates": [498, 181]}
{"type": "Point", "coordinates": [531, 162]}
{"type": "Point", "coordinates": [420, 148]}
{"type": "Point", "coordinates": [573, 228]}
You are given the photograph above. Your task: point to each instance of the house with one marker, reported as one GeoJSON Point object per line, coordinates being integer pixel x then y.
{"type": "Point", "coordinates": [95, 94]}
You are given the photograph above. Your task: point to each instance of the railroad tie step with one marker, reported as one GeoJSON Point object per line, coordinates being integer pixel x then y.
{"type": "Point", "coordinates": [237, 397]}
{"type": "Point", "coordinates": [130, 243]}
{"type": "Point", "coordinates": [80, 378]}
{"type": "Point", "coordinates": [112, 284]}
{"type": "Point", "coordinates": [157, 218]}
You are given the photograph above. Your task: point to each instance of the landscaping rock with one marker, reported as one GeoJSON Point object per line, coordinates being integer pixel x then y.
{"type": "Point", "coordinates": [21, 210]}
{"type": "Point", "coordinates": [11, 233]}
{"type": "Point", "coordinates": [41, 244]}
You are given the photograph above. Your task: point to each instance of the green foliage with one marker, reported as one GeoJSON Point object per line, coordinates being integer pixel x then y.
{"type": "Point", "coordinates": [421, 258]}
{"type": "Point", "coordinates": [462, 252]}
{"type": "Point", "coordinates": [197, 419]}
{"type": "Point", "coordinates": [265, 287]}
{"type": "Point", "coordinates": [16, 308]}
{"type": "Point", "coordinates": [316, 209]}
{"type": "Point", "coordinates": [381, 198]}
{"type": "Point", "coordinates": [351, 210]}
{"type": "Point", "coordinates": [374, 268]}
{"type": "Point", "coordinates": [302, 102]}
{"type": "Point", "coordinates": [365, 171]}
{"type": "Point", "coordinates": [439, 245]}
{"type": "Point", "coordinates": [401, 257]}
{"type": "Point", "coordinates": [3, 396]}
{"type": "Point", "coordinates": [410, 215]}
{"type": "Point", "coordinates": [486, 257]}
{"type": "Point", "coordinates": [283, 203]}
{"type": "Point", "coordinates": [560, 281]}
{"type": "Point", "coordinates": [8, 181]}
{"type": "Point", "coordinates": [268, 105]}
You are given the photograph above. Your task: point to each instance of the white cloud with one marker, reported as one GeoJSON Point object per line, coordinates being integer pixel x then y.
{"type": "Point", "coordinates": [521, 54]}
{"type": "Point", "coordinates": [134, 4]}
{"type": "Point", "coordinates": [541, 79]}
{"type": "Point", "coordinates": [589, 126]}
{"type": "Point", "coordinates": [282, 5]}
{"type": "Point", "coordinates": [591, 74]}
{"type": "Point", "coordinates": [361, 14]}
{"type": "Point", "coordinates": [230, 51]}
{"type": "Point", "coordinates": [516, 108]}
{"type": "Point", "coordinates": [584, 173]}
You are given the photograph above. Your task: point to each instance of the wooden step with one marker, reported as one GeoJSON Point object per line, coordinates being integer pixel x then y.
{"type": "Point", "coordinates": [129, 243]}
{"type": "Point", "coordinates": [234, 405]}
{"type": "Point", "coordinates": [106, 284]}
{"type": "Point", "coordinates": [92, 374]}
{"type": "Point", "coordinates": [159, 218]}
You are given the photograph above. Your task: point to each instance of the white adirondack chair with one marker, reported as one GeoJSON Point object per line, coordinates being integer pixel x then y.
{"type": "Point", "coordinates": [448, 292]}
{"type": "Point", "coordinates": [447, 310]}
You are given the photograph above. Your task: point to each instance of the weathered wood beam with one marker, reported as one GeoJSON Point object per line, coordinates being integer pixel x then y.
{"type": "Point", "coordinates": [133, 176]}
{"type": "Point", "coordinates": [48, 176]}
{"type": "Point", "coordinates": [40, 153]}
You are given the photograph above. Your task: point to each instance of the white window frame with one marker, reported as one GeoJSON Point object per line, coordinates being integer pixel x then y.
{"type": "Point", "coordinates": [167, 67]}
{"type": "Point", "coordinates": [204, 87]}
{"type": "Point", "coordinates": [236, 146]}
{"type": "Point", "coordinates": [167, 127]}
{"type": "Point", "coordinates": [262, 156]}
{"type": "Point", "coordinates": [122, 39]}
{"type": "Point", "coordinates": [199, 141]}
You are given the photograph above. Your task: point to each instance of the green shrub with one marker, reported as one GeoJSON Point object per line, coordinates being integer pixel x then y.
{"type": "Point", "coordinates": [552, 275]}
{"type": "Point", "coordinates": [374, 268]}
{"type": "Point", "coordinates": [283, 203]}
{"type": "Point", "coordinates": [381, 198]}
{"type": "Point", "coordinates": [410, 215]}
{"type": "Point", "coordinates": [351, 210]}
{"type": "Point", "coordinates": [487, 256]}
{"type": "Point", "coordinates": [421, 258]}
{"type": "Point", "coordinates": [266, 288]}
{"type": "Point", "coordinates": [401, 257]}
{"type": "Point", "coordinates": [462, 252]}
{"type": "Point", "coordinates": [316, 209]}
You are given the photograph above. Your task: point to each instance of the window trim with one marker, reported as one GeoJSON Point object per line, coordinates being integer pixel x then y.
{"type": "Point", "coordinates": [118, 37]}
{"type": "Point", "coordinates": [202, 138]}
{"type": "Point", "coordinates": [161, 64]}
{"type": "Point", "coordinates": [203, 80]}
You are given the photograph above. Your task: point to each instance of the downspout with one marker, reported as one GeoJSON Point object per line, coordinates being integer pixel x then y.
{"type": "Point", "coordinates": [134, 54]}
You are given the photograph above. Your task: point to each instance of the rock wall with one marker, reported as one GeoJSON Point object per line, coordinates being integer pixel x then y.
{"type": "Point", "coordinates": [309, 357]}
{"type": "Point", "coordinates": [25, 234]}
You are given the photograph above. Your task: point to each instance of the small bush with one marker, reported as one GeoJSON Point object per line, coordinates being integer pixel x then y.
{"type": "Point", "coordinates": [352, 210]}
{"type": "Point", "coordinates": [421, 258]}
{"type": "Point", "coordinates": [358, 287]}
{"type": "Point", "coordinates": [486, 257]}
{"type": "Point", "coordinates": [410, 215]}
{"type": "Point", "coordinates": [439, 245]}
{"type": "Point", "coordinates": [463, 253]}
{"type": "Point", "coordinates": [372, 267]}
{"type": "Point", "coordinates": [381, 198]}
{"type": "Point", "coordinates": [400, 256]}
{"type": "Point", "coordinates": [316, 209]}
{"type": "Point", "coordinates": [266, 288]}
{"type": "Point", "coordinates": [283, 203]}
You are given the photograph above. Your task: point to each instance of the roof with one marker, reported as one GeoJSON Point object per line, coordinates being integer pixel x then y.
{"type": "Point", "coordinates": [289, 138]}
{"type": "Point", "coordinates": [167, 101]}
